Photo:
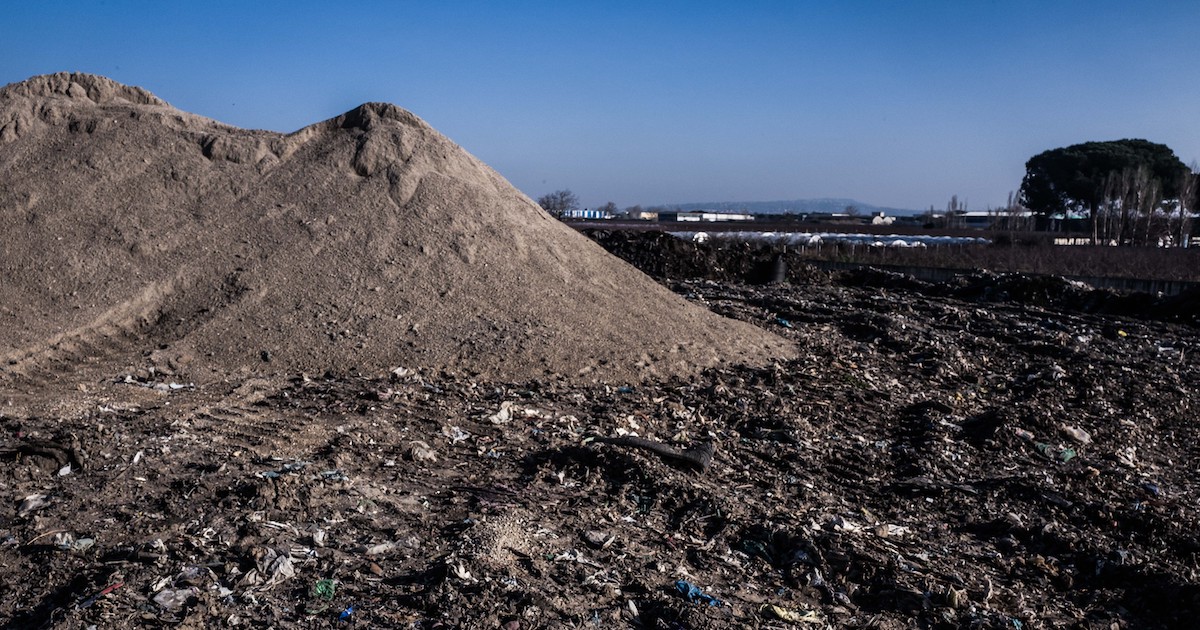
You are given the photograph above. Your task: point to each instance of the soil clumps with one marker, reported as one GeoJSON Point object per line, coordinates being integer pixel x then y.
{"type": "Point", "coordinates": [144, 237]}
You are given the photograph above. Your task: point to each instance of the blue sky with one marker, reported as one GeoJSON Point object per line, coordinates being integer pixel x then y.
{"type": "Point", "coordinates": [897, 103]}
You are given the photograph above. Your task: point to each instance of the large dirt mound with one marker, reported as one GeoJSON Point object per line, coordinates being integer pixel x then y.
{"type": "Point", "coordinates": [137, 231]}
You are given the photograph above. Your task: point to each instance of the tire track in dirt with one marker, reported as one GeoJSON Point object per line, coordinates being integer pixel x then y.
{"type": "Point", "coordinates": [106, 333]}
{"type": "Point", "coordinates": [241, 421]}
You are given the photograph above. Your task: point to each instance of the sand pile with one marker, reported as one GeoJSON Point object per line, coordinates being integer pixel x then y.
{"type": "Point", "coordinates": [135, 232]}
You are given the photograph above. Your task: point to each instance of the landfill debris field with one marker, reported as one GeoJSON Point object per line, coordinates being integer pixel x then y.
{"type": "Point", "coordinates": [884, 453]}
{"type": "Point", "coordinates": [925, 462]}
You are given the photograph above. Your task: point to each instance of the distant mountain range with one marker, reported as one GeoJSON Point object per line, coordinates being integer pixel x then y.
{"type": "Point", "coordinates": [795, 206]}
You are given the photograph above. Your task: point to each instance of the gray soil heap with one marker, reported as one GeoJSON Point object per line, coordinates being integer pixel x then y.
{"type": "Point", "coordinates": [136, 231]}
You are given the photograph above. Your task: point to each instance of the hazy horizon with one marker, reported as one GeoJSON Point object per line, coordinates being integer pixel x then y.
{"type": "Point", "coordinates": [891, 104]}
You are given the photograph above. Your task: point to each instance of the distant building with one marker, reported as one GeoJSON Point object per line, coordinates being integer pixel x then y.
{"type": "Point", "coordinates": [587, 214]}
{"type": "Point", "coordinates": [878, 218]}
{"type": "Point", "coordinates": [643, 215]}
{"type": "Point", "coordinates": [1083, 240]}
{"type": "Point", "coordinates": [984, 219]}
{"type": "Point", "coordinates": [703, 215]}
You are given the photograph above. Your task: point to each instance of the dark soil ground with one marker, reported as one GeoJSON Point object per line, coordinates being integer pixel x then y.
{"type": "Point", "coordinates": [936, 457]}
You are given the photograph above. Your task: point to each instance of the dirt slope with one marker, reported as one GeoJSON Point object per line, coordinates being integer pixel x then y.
{"type": "Point", "coordinates": [140, 233]}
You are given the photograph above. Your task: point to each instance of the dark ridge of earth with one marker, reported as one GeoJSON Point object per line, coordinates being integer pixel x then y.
{"type": "Point", "coordinates": [664, 256]}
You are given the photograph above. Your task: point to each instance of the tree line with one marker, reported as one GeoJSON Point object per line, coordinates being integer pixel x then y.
{"type": "Point", "coordinates": [1127, 192]}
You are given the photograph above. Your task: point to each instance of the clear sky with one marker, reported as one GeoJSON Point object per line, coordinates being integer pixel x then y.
{"type": "Point", "coordinates": [896, 103]}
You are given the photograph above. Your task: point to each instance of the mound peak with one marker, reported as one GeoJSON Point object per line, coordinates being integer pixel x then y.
{"type": "Point", "coordinates": [79, 86]}
{"type": "Point", "coordinates": [367, 241]}
{"type": "Point", "coordinates": [368, 115]}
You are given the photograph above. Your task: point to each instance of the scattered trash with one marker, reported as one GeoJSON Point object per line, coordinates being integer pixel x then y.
{"type": "Point", "coordinates": [503, 415]}
{"type": "Point", "coordinates": [380, 549]}
{"type": "Point", "coordinates": [280, 569]}
{"type": "Point", "coordinates": [94, 598]}
{"type": "Point", "coordinates": [421, 452]}
{"type": "Point", "coordinates": [794, 616]}
{"type": "Point", "coordinates": [693, 593]}
{"type": "Point", "coordinates": [271, 569]}
{"type": "Point", "coordinates": [598, 540]}
{"type": "Point", "coordinates": [130, 379]}
{"type": "Point", "coordinates": [67, 542]}
{"type": "Point", "coordinates": [32, 503]}
{"type": "Point", "coordinates": [288, 527]}
{"type": "Point", "coordinates": [455, 434]}
{"type": "Point", "coordinates": [192, 576]}
{"type": "Point", "coordinates": [1053, 452]}
{"type": "Point", "coordinates": [292, 467]}
{"type": "Point", "coordinates": [783, 322]}
{"type": "Point", "coordinates": [756, 549]}
{"type": "Point", "coordinates": [174, 599]}
{"type": "Point", "coordinates": [320, 597]}
{"type": "Point", "coordinates": [574, 555]}
{"type": "Point", "coordinates": [1077, 434]}
{"type": "Point", "coordinates": [460, 571]}
{"type": "Point", "coordinates": [333, 475]}
{"type": "Point", "coordinates": [400, 374]}
{"type": "Point", "coordinates": [957, 597]}
{"type": "Point", "coordinates": [345, 614]}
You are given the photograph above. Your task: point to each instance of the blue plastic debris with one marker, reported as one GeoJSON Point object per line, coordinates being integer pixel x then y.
{"type": "Point", "coordinates": [695, 595]}
{"type": "Point", "coordinates": [783, 322]}
{"type": "Point", "coordinates": [345, 616]}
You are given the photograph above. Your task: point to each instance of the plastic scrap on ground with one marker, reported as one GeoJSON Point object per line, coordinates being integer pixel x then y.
{"type": "Point", "coordinates": [794, 616]}
{"type": "Point", "coordinates": [693, 594]}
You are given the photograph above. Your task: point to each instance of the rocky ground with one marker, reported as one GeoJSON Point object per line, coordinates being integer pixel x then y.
{"type": "Point", "coordinates": [934, 458]}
